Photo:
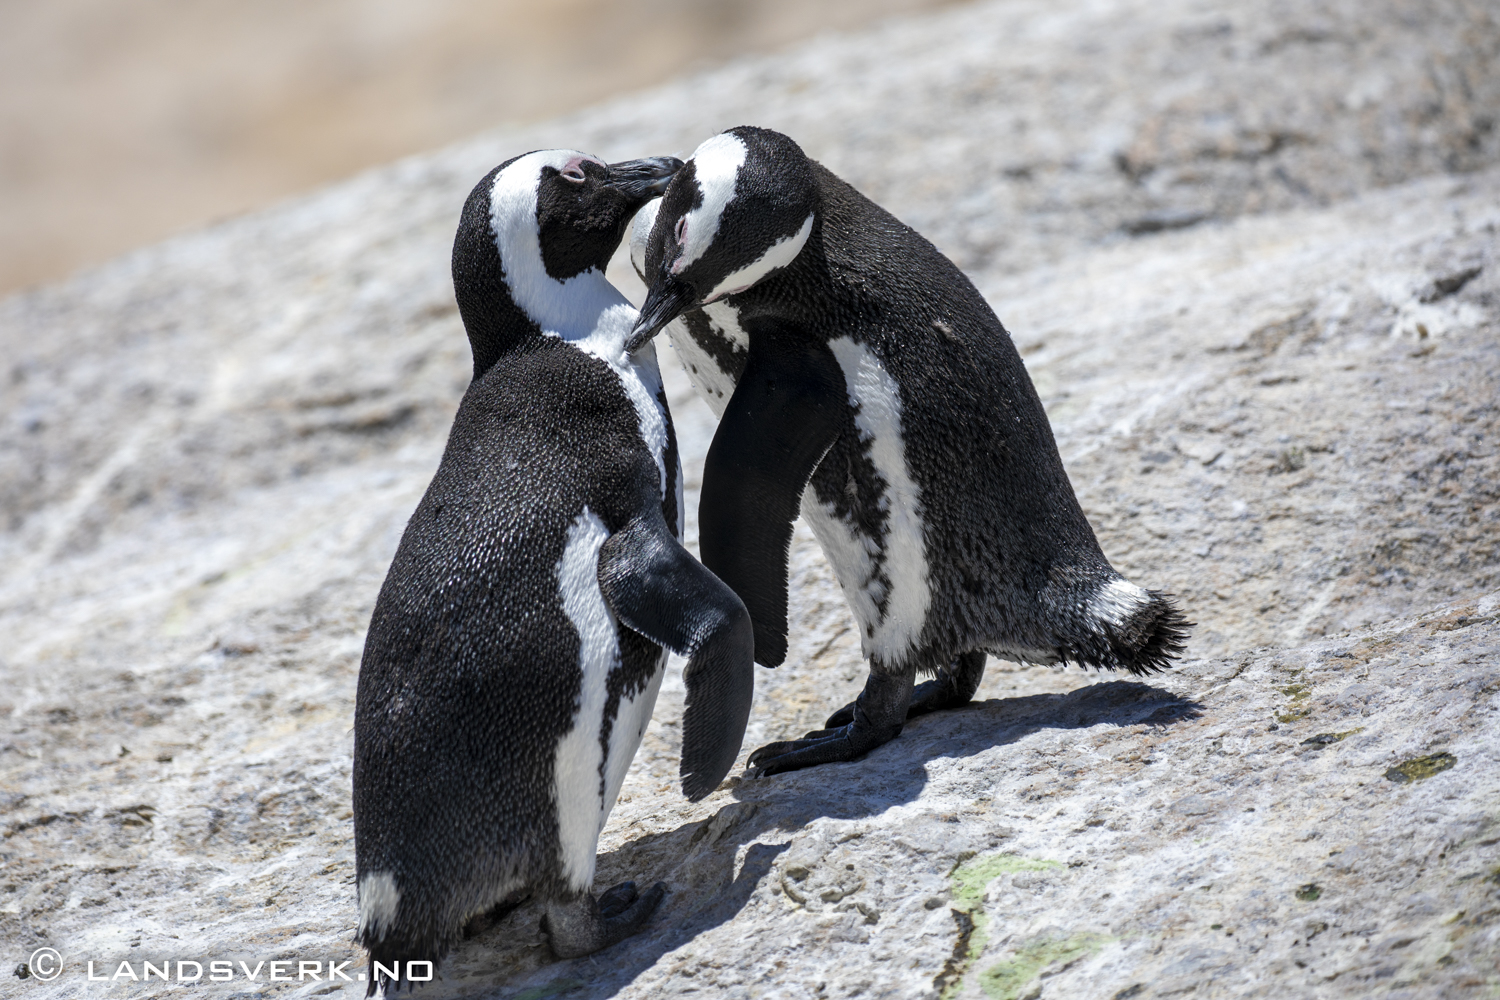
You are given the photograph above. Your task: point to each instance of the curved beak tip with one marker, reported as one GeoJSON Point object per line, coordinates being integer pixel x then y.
{"type": "Point", "coordinates": [665, 302]}
{"type": "Point", "coordinates": [644, 178]}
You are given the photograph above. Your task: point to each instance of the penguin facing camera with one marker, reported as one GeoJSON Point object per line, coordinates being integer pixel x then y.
{"type": "Point", "coordinates": [862, 381]}
{"type": "Point", "coordinates": [520, 638]}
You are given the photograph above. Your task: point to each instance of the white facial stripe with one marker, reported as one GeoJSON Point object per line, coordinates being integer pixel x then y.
{"type": "Point", "coordinates": [640, 236]}
{"type": "Point", "coordinates": [780, 254]}
{"type": "Point", "coordinates": [1117, 601]}
{"type": "Point", "coordinates": [878, 399]}
{"type": "Point", "coordinates": [631, 720]}
{"type": "Point", "coordinates": [563, 308]}
{"type": "Point", "coordinates": [576, 766]}
{"type": "Point", "coordinates": [716, 164]}
{"type": "Point", "coordinates": [379, 902]}
{"type": "Point", "coordinates": [586, 310]}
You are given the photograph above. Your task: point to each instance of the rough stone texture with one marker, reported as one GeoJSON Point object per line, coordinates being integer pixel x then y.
{"type": "Point", "coordinates": [1285, 411]}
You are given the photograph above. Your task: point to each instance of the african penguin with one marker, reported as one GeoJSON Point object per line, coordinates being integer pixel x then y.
{"type": "Point", "coordinates": [520, 638]}
{"type": "Point", "coordinates": [862, 381]}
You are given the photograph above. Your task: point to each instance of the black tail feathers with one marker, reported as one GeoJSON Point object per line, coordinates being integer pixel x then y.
{"type": "Point", "coordinates": [1152, 638]}
{"type": "Point", "coordinates": [1141, 632]}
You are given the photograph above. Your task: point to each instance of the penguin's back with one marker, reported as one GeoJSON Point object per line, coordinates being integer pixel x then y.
{"type": "Point", "coordinates": [474, 680]}
{"type": "Point", "coordinates": [949, 458]}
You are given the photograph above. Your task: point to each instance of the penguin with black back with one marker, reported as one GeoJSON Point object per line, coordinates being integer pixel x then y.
{"type": "Point", "coordinates": [521, 635]}
{"type": "Point", "coordinates": [863, 382]}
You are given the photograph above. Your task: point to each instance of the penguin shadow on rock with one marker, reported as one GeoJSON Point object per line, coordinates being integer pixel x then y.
{"type": "Point", "coordinates": [697, 860]}
{"type": "Point", "coordinates": [895, 773]}
{"type": "Point", "coordinates": [521, 635]}
{"type": "Point", "coordinates": [863, 383]}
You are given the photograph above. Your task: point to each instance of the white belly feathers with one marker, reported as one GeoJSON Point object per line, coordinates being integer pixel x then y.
{"type": "Point", "coordinates": [856, 557]}
{"type": "Point", "coordinates": [862, 564]}
{"type": "Point", "coordinates": [713, 383]}
{"type": "Point", "coordinates": [582, 804]}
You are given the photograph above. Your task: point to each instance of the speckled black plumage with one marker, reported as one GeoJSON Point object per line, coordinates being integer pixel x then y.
{"type": "Point", "coordinates": [468, 638]}
{"type": "Point", "coordinates": [471, 674]}
{"type": "Point", "coordinates": [1012, 562]}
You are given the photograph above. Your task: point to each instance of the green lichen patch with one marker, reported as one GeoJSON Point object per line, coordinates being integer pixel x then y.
{"type": "Point", "coordinates": [1421, 768]}
{"type": "Point", "coordinates": [1008, 980]}
{"type": "Point", "coordinates": [1309, 892]}
{"type": "Point", "coordinates": [969, 879]}
{"type": "Point", "coordinates": [1322, 740]}
{"type": "Point", "coordinates": [1299, 693]}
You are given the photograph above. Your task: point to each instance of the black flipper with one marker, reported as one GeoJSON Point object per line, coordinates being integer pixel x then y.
{"type": "Point", "coordinates": [786, 412]}
{"type": "Point", "coordinates": [655, 587]}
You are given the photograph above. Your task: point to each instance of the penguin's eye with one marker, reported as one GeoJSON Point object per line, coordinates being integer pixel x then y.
{"type": "Point", "coordinates": [682, 230]}
{"type": "Point", "coordinates": [573, 175]}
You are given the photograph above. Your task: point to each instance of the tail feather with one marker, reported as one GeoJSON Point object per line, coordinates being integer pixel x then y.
{"type": "Point", "coordinates": [1129, 628]}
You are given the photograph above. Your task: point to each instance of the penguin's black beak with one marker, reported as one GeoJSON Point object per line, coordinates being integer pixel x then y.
{"type": "Point", "coordinates": [642, 180]}
{"type": "Point", "coordinates": [665, 302]}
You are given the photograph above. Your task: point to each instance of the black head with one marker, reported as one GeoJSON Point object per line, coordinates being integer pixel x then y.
{"type": "Point", "coordinates": [533, 224]}
{"type": "Point", "coordinates": [739, 210]}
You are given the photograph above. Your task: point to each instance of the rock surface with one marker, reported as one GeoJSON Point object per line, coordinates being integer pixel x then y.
{"type": "Point", "coordinates": [1248, 252]}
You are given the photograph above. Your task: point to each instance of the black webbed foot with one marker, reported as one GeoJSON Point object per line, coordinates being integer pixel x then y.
{"type": "Point", "coordinates": [824, 746]}
{"type": "Point", "coordinates": [953, 687]}
{"type": "Point", "coordinates": [877, 717]}
{"type": "Point", "coordinates": [584, 925]}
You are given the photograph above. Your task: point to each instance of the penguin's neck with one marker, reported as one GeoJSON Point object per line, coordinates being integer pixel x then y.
{"type": "Point", "coordinates": [584, 309]}
{"type": "Point", "coordinates": [577, 308]}
{"type": "Point", "coordinates": [783, 295]}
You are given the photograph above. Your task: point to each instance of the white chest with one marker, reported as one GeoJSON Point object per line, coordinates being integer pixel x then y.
{"type": "Point", "coordinates": [711, 381]}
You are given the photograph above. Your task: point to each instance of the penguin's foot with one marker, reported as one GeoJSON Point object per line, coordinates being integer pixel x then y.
{"type": "Point", "coordinates": [953, 687]}
{"type": "Point", "coordinates": [480, 923]}
{"type": "Point", "coordinates": [584, 925]}
{"type": "Point", "coordinates": [877, 717]}
{"type": "Point", "coordinates": [617, 899]}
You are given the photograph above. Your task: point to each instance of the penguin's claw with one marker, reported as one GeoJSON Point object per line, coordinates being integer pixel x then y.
{"type": "Point", "coordinates": [584, 925]}
{"type": "Point", "coordinates": [878, 717]}
{"type": "Point", "coordinates": [822, 746]}
{"type": "Point", "coordinates": [773, 750]}
{"type": "Point", "coordinates": [634, 915]}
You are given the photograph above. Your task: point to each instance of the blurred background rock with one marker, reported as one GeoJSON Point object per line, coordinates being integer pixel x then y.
{"type": "Point", "coordinates": [121, 123]}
